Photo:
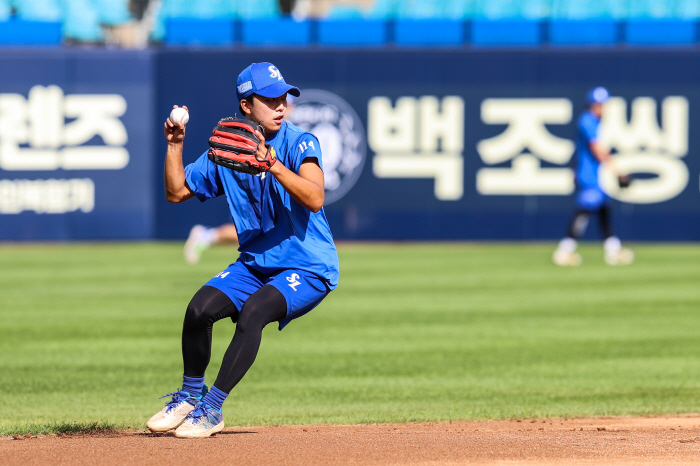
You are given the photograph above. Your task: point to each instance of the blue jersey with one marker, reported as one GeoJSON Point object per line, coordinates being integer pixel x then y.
{"type": "Point", "coordinates": [274, 231]}
{"type": "Point", "coordinates": [586, 163]}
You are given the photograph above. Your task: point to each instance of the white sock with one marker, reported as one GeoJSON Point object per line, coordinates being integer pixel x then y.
{"type": "Point", "coordinates": [567, 245]}
{"type": "Point", "coordinates": [612, 246]}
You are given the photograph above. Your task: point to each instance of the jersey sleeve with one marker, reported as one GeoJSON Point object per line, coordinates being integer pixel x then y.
{"type": "Point", "coordinates": [588, 127]}
{"type": "Point", "coordinates": [306, 146]}
{"type": "Point", "coordinates": [203, 178]}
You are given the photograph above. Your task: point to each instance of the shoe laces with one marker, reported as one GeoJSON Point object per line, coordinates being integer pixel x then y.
{"type": "Point", "coordinates": [201, 410]}
{"type": "Point", "coordinates": [177, 398]}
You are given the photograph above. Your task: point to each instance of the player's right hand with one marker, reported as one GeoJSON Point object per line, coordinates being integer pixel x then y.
{"type": "Point", "coordinates": [174, 133]}
{"type": "Point", "coordinates": [624, 181]}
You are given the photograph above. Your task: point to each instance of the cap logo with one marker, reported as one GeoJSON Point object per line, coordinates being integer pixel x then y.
{"type": "Point", "coordinates": [275, 73]}
{"type": "Point", "coordinates": [246, 86]}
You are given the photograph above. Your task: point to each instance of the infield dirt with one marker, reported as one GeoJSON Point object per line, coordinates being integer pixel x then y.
{"type": "Point", "coordinates": [592, 441]}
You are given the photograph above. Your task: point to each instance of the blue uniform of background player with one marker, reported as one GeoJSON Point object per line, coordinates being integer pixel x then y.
{"type": "Point", "coordinates": [590, 198]}
{"type": "Point", "coordinates": [287, 264]}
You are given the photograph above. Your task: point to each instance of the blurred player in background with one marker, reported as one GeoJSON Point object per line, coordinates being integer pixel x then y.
{"type": "Point", "coordinates": [590, 198]}
{"type": "Point", "coordinates": [202, 238]}
{"type": "Point", "coordinates": [288, 262]}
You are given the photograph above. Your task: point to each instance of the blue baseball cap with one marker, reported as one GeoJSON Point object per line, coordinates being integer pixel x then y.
{"type": "Point", "coordinates": [597, 95]}
{"type": "Point", "coordinates": [263, 79]}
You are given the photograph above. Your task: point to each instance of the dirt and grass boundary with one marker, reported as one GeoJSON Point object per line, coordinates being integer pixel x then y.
{"type": "Point", "coordinates": [609, 441]}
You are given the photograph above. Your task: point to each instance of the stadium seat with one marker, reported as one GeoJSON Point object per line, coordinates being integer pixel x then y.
{"type": "Point", "coordinates": [671, 32]}
{"type": "Point", "coordinates": [20, 32]}
{"type": "Point", "coordinates": [651, 9]}
{"type": "Point", "coordinates": [352, 32]}
{"type": "Point", "coordinates": [428, 32]}
{"type": "Point", "coordinates": [195, 31]}
{"type": "Point", "coordinates": [345, 12]}
{"type": "Point", "coordinates": [275, 32]}
{"type": "Point", "coordinates": [176, 9]}
{"type": "Point", "coordinates": [5, 10]}
{"type": "Point", "coordinates": [664, 9]}
{"type": "Point", "coordinates": [39, 10]}
{"type": "Point", "coordinates": [206, 9]}
{"type": "Point", "coordinates": [158, 28]}
{"type": "Point", "coordinates": [459, 9]}
{"type": "Point", "coordinates": [166, 21]}
{"type": "Point", "coordinates": [508, 22]}
{"type": "Point", "coordinates": [113, 12]}
{"type": "Point", "coordinates": [82, 21]}
{"type": "Point", "coordinates": [511, 9]}
{"type": "Point", "coordinates": [421, 9]}
{"type": "Point", "coordinates": [258, 9]}
{"type": "Point", "coordinates": [385, 9]}
{"type": "Point", "coordinates": [589, 9]}
{"type": "Point", "coordinates": [687, 9]}
{"type": "Point", "coordinates": [168, 9]}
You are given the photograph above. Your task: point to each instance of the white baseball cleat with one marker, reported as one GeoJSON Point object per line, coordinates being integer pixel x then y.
{"type": "Point", "coordinates": [203, 421]}
{"type": "Point", "coordinates": [174, 412]}
{"type": "Point", "coordinates": [623, 257]}
{"type": "Point", "coordinates": [566, 259]}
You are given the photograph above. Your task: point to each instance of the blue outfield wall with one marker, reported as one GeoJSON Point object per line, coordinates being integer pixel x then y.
{"type": "Point", "coordinates": [417, 144]}
{"type": "Point", "coordinates": [76, 144]}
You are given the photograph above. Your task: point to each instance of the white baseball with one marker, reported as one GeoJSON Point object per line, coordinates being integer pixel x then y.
{"type": "Point", "coordinates": [179, 115]}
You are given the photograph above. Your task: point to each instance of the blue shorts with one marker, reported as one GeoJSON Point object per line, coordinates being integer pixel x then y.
{"type": "Point", "coordinates": [303, 290]}
{"type": "Point", "coordinates": [590, 198]}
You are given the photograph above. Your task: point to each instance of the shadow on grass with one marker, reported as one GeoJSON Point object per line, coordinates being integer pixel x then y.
{"type": "Point", "coordinates": [63, 428]}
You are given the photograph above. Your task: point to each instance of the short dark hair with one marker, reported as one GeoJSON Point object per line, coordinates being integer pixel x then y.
{"type": "Point", "coordinates": [248, 99]}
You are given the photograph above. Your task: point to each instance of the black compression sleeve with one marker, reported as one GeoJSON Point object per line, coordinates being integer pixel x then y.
{"type": "Point", "coordinates": [605, 222]}
{"type": "Point", "coordinates": [206, 307]}
{"type": "Point", "coordinates": [578, 224]}
{"type": "Point", "coordinates": [264, 306]}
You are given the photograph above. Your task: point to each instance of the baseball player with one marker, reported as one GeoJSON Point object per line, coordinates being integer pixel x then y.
{"type": "Point", "coordinates": [590, 198]}
{"type": "Point", "coordinates": [288, 262]}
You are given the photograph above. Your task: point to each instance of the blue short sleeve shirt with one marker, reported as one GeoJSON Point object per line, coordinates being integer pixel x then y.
{"type": "Point", "coordinates": [274, 231]}
{"type": "Point", "coordinates": [586, 163]}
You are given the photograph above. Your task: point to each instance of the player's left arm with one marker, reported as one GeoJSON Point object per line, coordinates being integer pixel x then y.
{"type": "Point", "coordinates": [589, 131]}
{"type": "Point", "coordinates": [307, 188]}
{"type": "Point", "coordinates": [603, 155]}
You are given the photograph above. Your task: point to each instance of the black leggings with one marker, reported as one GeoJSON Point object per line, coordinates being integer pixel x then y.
{"type": "Point", "coordinates": [579, 223]}
{"type": "Point", "coordinates": [209, 305]}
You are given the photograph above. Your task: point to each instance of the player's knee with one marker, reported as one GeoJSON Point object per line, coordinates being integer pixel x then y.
{"type": "Point", "coordinates": [197, 314]}
{"type": "Point", "coordinates": [248, 320]}
{"type": "Point", "coordinates": [201, 310]}
{"type": "Point", "coordinates": [266, 306]}
{"type": "Point", "coordinates": [254, 317]}
{"type": "Point", "coordinates": [207, 306]}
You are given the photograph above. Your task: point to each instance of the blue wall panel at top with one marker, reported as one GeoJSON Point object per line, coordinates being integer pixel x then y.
{"type": "Point", "coordinates": [358, 101]}
{"type": "Point", "coordinates": [661, 33]}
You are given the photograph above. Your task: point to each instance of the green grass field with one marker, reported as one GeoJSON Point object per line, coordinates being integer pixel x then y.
{"type": "Point", "coordinates": [415, 332]}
